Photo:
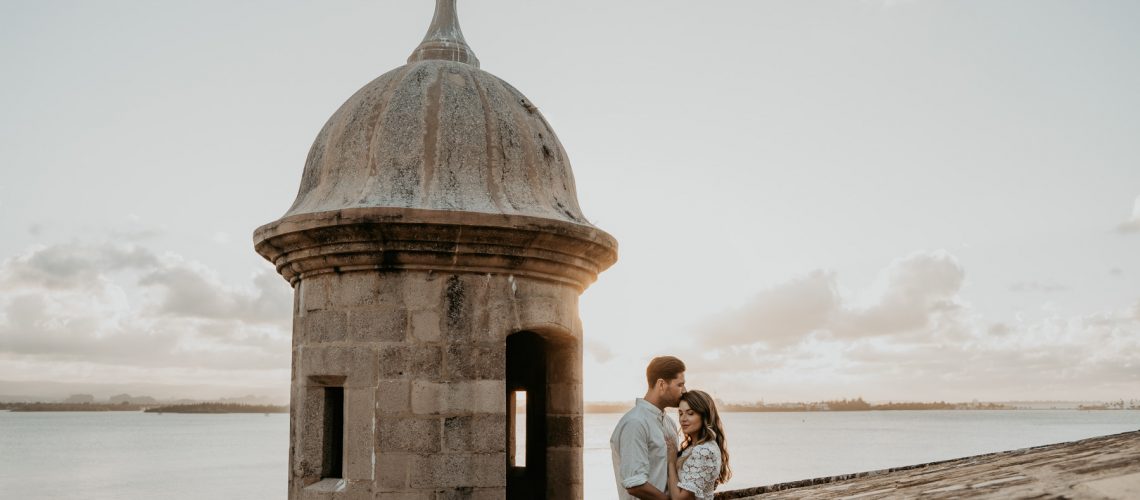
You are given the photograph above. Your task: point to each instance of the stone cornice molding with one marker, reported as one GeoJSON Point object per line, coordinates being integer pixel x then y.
{"type": "Point", "coordinates": [383, 238]}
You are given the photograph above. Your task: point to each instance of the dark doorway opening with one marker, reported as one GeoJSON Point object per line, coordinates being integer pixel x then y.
{"type": "Point", "coordinates": [526, 377]}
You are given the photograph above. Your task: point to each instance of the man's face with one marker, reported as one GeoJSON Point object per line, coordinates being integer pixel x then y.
{"type": "Point", "coordinates": [673, 390]}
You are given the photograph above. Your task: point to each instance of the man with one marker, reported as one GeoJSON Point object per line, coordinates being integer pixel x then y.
{"type": "Point", "coordinates": [638, 443]}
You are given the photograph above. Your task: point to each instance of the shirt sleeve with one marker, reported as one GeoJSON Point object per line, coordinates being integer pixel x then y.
{"type": "Point", "coordinates": [633, 451]}
{"type": "Point", "coordinates": [700, 471]}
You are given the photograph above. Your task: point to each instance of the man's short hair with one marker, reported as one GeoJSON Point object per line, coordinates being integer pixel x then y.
{"type": "Point", "coordinates": [663, 367]}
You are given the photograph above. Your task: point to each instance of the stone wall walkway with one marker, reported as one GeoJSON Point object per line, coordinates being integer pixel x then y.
{"type": "Point", "coordinates": [1106, 467]}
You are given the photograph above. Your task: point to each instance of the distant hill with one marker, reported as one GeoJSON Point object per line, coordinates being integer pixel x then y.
{"type": "Point", "coordinates": [218, 408]}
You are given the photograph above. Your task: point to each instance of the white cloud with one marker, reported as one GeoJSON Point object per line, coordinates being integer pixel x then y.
{"type": "Point", "coordinates": [914, 337]}
{"type": "Point", "coordinates": [124, 307]}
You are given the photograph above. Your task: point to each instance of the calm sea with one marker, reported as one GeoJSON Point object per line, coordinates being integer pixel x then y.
{"type": "Point", "coordinates": [103, 456]}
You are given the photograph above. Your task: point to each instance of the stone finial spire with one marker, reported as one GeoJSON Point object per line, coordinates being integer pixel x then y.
{"type": "Point", "coordinates": [444, 40]}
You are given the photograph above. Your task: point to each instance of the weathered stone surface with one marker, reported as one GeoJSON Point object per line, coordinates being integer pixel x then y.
{"type": "Point", "coordinates": [463, 470]}
{"type": "Point", "coordinates": [393, 397]}
{"type": "Point", "coordinates": [425, 326]}
{"type": "Point", "coordinates": [562, 431]}
{"type": "Point", "coordinates": [356, 364]}
{"type": "Point", "coordinates": [325, 326]}
{"type": "Point", "coordinates": [359, 433]}
{"type": "Point", "coordinates": [480, 396]}
{"type": "Point", "coordinates": [392, 470]}
{"type": "Point", "coordinates": [479, 433]}
{"type": "Point", "coordinates": [379, 324]}
{"type": "Point", "coordinates": [463, 493]}
{"type": "Point", "coordinates": [1096, 468]}
{"type": "Point", "coordinates": [421, 435]}
{"type": "Point", "coordinates": [467, 362]}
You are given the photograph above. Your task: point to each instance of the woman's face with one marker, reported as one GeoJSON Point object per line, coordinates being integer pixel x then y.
{"type": "Point", "coordinates": [690, 420]}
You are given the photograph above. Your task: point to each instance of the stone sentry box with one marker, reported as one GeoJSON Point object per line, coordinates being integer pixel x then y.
{"type": "Point", "coordinates": [437, 252]}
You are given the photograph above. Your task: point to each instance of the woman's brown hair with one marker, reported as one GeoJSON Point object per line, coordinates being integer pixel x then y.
{"type": "Point", "coordinates": [712, 429]}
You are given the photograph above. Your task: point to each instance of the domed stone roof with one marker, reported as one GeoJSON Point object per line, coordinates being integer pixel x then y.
{"type": "Point", "coordinates": [439, 134]}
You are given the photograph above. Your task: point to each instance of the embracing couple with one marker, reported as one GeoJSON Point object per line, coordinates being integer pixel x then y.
{"type": "Point", "coordinates": [647, 463]}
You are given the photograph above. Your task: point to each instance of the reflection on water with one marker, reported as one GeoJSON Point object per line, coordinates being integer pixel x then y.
{"type": "Point", "coordinates": [115, 455]}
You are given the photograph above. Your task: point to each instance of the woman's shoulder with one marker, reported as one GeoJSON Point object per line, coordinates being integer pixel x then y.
{"type": "Point", "coordinates": [707, 448]}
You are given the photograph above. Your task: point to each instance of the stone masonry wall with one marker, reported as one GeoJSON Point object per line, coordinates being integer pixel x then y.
{"type": "Point", "coordinates": [421, 357]}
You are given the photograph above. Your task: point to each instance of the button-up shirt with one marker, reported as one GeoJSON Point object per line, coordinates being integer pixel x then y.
{"type": "Point", "coordinates": [638, 447]}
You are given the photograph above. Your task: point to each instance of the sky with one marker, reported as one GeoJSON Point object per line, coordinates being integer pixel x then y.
{"type": "Point", "coordinates": [822, 199]}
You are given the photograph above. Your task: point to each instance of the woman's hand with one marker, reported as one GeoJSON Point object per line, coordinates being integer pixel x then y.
{"type": "Point", "coordinates": [671, 449]}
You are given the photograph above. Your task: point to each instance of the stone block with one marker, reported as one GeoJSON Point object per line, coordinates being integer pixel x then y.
{"type": "Point", "coordinates": [392, 361]}
{"type": "Point", "coordinates": [314, 294]}
{"type": "Point", "coordinates": [309, 432]}
{"type": "Point", "coordinates": [502, 320]}
{"type": "Point", "coordinates": [426, 326]}
{"type": "Point", "coordinates": [424, 361]}
{"type": "Point", "coordinates": [467, 493]}
{"type": "Point", "coordinates": [422, 290]}
{"type": "Point", "coordinates": [564, 364]}
{"type": "Point", "coordinates": [564, 431]}
{"type": "Point", "coordinates": [357, 289]}
{"type": "Point", "coordinates": [393, 396]}
{"type": "Point", "coordinates": [324, 326]}
{"type": "Point", "coordinates": [542, 314]}
{"type": "Point", "coordinates": [480, 396]}
{"type": "Point", "coordinates": [358, 490]}
{"type": "Point", "coordinates": [356, 364]}
{"type": "Point", "coordinates": [564, 399]}
{"type": "Point", "coordinates": [428, 398]}
{"type": "Point", "coordinates": [460, 304]}
{"type": "Point", "coordinates": [404, 495]}
{"type": "Point", "coordinates": [449, 471]}
{"type": "Point", "coordinates": [377, 324]}
{"type": "Point", "coordinates": [470, 362]}
{"type": "Point", "coordinates": [392, 470]}
{"type": "Point", "coordinates": [409, 434]}
{"type": "Point", "coordinates": [359, 433]}
{"type": "Point", "coordinates": [477, 433]}
{"type": "Point", "coordinates": [563, 467]}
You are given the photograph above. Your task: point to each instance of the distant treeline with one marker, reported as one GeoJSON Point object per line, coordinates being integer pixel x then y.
{"type": "Point", "coordinates": [857, 404]}
{"type": "Point", "coordinates": [218, 408]}
{"type": "Point", "coordinates": [71, 406]}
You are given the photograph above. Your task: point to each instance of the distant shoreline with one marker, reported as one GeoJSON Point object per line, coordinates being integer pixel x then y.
{"type": "Point", "coordinates": [197, 408]}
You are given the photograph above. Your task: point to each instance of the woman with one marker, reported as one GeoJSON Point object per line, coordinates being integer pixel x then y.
{"type": "Point", "coordinates": [702, 463]}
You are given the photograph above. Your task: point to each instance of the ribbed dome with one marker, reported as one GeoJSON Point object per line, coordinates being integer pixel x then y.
{"type": "Point", "coordinates": [441, 135]}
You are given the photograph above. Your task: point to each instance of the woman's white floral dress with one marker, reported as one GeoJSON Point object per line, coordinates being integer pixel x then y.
{"type": "Point", "coordinates": [700, 469]}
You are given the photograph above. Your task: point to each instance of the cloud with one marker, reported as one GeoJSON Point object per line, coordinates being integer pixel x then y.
{"type": "Point", "coordinates": [910, 334]}
{"type": "Point", "coordinates": [916, 291]}
{"type": "Point", "coordinates": [780, 315]}
{"type": "Point", "coordinates": [123, 306]}
{"type": "Point", "coordinates": [911, 294]}
{"type": "Point", "coordinates": [1132, 225]}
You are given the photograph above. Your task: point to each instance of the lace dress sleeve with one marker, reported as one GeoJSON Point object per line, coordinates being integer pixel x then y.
{"type": "Point", "coordinates": [699, 472]}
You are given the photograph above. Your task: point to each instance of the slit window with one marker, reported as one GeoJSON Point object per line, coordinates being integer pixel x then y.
{"type": "Point", "coordinates": [333, 435]}
{"type": "Point", "coordinates": [519, 452]}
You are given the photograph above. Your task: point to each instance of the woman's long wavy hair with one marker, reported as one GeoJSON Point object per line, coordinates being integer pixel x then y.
{"type": "Point", "coordinates": [713, 429]}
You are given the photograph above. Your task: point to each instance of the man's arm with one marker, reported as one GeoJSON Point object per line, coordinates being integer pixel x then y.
{"type": "Point", "coordinates": [646, 491]}
{"type": "Point", "coordinates": [633, 450]}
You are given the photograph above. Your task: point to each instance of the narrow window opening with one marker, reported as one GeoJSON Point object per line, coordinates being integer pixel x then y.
{"type": "Point", "coordinates": [333, 442]}
{"type": "Point", "coordinates": [519, 451]}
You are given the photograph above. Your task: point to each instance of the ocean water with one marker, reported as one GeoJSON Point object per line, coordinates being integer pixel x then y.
{"type": "Point", "coordinates": [122, 456]}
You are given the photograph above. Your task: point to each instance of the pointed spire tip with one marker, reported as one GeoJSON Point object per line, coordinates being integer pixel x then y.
{"type": "Point", "coordinates": [444, 40]}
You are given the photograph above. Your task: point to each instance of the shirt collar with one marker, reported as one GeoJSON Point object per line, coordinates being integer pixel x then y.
{"type": "Point", "coordinates": [646, 405]}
